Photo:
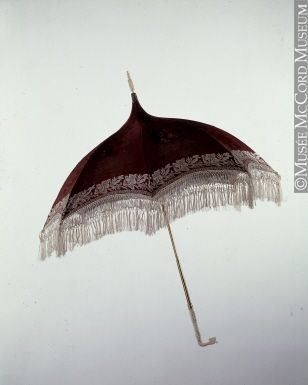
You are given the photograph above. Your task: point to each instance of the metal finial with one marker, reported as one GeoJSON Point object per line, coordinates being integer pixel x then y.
{"type": "Point", "coordinates": [130, 82]}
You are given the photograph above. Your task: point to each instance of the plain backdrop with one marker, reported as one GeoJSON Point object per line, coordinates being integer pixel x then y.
{"type": "Point", "coordinates": [113, 312]}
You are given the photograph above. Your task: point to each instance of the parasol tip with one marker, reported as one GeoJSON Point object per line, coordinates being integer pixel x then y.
{"type": "Point", "coordinates": [130, 82]}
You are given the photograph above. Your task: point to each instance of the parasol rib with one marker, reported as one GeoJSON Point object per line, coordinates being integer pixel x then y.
{"type": "Point", "coordinates": [212, 340]}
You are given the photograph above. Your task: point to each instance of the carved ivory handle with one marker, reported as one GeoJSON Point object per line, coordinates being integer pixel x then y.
{"type": "Point", "coordinates": [211, 341]}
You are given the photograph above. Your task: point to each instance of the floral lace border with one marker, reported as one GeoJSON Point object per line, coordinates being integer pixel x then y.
{"type": "Point", "coordinates": [148, 184]}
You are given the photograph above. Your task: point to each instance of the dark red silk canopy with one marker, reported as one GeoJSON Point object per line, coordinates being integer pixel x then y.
{"type": "Point", "coordinates": [150, 162]}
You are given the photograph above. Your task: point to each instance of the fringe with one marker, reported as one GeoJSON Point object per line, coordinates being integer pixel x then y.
{"type": "Point", "coordinates": [196, 191]}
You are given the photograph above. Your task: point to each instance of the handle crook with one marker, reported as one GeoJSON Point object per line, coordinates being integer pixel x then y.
{"type": "Point", "coordinates": [211, 341]}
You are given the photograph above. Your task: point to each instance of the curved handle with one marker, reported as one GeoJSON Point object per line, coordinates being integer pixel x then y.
{"type": "Point", "coordinates": [211, 341]}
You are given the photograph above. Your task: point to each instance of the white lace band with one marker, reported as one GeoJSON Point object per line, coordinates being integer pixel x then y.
{"type": "Point", "coordinates": [134, 202]}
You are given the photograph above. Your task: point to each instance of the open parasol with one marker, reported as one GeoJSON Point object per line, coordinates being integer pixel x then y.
{"type": "Point", "coordinates": [150, 172]}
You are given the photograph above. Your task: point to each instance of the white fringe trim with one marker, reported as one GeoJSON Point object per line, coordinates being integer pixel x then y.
{"type": "Point", "coordinates": [196, 191]}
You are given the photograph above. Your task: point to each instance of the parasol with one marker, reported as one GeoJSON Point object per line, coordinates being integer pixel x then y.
{"type": "Point", "coordinates": [150, 172]}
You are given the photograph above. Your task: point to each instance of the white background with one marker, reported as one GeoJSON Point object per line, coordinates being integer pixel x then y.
{"type": "Point", "coordinates": [113, 312]}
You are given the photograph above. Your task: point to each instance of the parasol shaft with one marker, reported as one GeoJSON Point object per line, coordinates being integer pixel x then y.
{"type": "Point", "coordinates": [189, 303]}
{"type": "Point", "coordinates": [212, 340]}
